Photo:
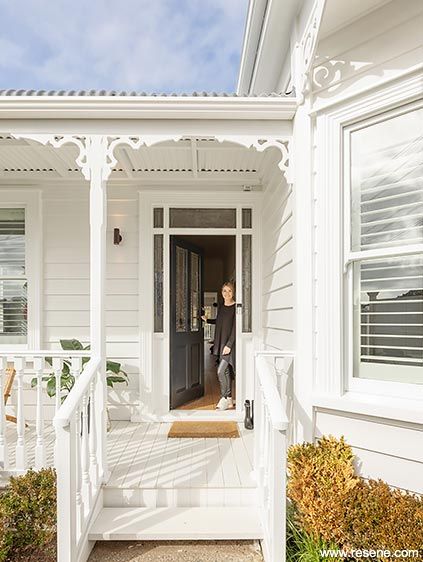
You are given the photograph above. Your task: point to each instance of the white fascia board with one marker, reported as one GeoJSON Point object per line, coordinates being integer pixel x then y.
{"type": "Point", "coordinates": [274, 44]}
{"type": "Point", "coordinates": [145, 107]}
{"type": "Point", "coordinates": [252, 34]}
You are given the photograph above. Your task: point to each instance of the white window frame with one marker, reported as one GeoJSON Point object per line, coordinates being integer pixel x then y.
{"type": "Point", "coordinates": [351, 257]}
{"type": "Point", "coordinates": [333, 384]}
{"type": "Point", "coordinates": [30, 200]}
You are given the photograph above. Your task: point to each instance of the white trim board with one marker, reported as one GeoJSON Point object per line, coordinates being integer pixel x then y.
{"type": "Point", "coordinates": [330, 378]}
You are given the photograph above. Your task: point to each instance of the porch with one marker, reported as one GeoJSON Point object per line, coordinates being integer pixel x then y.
{"type": "Point", "coordinates": [153, 486]}
{"type": "Point", "coordinates": [149, 470]}
{"type": "Point", "coordinates": [102, 293]}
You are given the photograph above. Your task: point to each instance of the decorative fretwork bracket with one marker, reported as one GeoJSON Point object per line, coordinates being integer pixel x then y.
{"type": "Point", "coordinates": [285, 164]}
{"type": "Point", "coordinates": [305, 51]}
{"type": "Point", "coordinates": [96, 152]}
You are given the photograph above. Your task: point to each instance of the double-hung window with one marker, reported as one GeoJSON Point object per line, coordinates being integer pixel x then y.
{"type": "Point", "coordinates": [13, 277]}
{"type": "Point", "coordinates": [20, 269]}
{"type": "Point", "coordinates": [384, 246]}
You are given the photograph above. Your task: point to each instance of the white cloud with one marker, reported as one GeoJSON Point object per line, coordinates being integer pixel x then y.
{"type": "Point", "coordinates": [160, 45]}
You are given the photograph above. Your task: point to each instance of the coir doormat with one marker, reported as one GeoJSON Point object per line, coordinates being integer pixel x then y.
{"type": "Point", "coordinates": [197, 429]}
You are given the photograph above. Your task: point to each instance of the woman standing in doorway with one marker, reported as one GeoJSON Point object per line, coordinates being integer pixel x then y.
{"type": "Point", "coordinates": [224, 344]}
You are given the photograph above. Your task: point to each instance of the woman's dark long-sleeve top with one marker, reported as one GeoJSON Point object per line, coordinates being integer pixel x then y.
{"type": "Point", "coordinates": [224, 334]}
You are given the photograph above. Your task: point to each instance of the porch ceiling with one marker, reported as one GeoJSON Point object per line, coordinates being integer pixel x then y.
{"type": "Point", "coordinates": [193, 158]}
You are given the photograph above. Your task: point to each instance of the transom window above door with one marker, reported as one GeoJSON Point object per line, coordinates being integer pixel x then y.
{"type": "Point", "coordinates": [202, 217]}
{"type": "Point", "coordinates": [384, 246]}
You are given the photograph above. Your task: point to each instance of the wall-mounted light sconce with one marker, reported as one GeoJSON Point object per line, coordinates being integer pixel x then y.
{"type": "Point", "coordinates": [117, 238]}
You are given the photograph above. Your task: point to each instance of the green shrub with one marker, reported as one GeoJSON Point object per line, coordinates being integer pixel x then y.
{"type": "Point", "coordinates": [334, 505]}
{"type": "Point", "coordinates": [28, 517]}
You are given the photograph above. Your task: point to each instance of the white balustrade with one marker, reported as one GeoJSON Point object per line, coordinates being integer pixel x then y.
{"type": "Point", "coordinates": [25, 425]}
{"type": "Point", "coordinates": [79, 472]}
{"type": "Point", "coordinates": [270, 443]}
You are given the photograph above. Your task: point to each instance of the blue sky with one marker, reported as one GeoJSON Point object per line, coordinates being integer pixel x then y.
{"type": "Point", "coordinates": [143, 45]}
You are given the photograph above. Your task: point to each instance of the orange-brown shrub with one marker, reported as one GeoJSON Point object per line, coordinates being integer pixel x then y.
{"type": "Point", "coordinates": [334, 504]}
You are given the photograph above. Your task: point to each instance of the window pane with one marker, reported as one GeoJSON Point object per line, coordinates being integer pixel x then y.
{"type": "Point", "coordinates": [246, 283]}
{"type": "Point", "coordinates": [195, 292]}
{"type": "Point", "coordinates": [387, 183]}
{"type": "Point", "coordinates": [246, 218]}
{"type": "Point", "coordinates": [388, 301]}
{"type": "Point", "coordinates": [158, 282]}
{"type": "Point", "coordinates": [158, 217]}
{"type": "Point", "coordinates": [13, 285]}
{"type": "Point", "coordinates": [181, 289]}
{"type": "Point", "coordinates": [12, 242]}
{"type": "Point", "coordinates": [13, 311]}
{"type": "Point", "coordinates": [202, 218]}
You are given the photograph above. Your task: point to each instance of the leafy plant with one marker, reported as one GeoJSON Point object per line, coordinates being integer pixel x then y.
{"type": "Point", "coordinates": [114, 372]}
{"type": "Point", "coordinates": [28, 517]}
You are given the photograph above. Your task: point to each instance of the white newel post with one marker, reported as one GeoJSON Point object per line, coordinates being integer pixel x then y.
{"type": "Point", "coordinates": [66, 492]}
{"type": "Point", "coordinates": [98, 173]}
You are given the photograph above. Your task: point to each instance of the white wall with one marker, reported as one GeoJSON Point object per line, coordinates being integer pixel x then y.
{"type": "Point", "coordinates": [277, 264]}
{"type": "Point", "coordinates": [381, 46]}
{"type": "Point", "coordinates": [277, 279]}
{"type": "Point", "coordinates": [66, 279]}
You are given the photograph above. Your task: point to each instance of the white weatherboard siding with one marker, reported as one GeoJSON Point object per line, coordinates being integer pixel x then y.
{"type": "Point", "coordinates": [277, 264]}
{"type": "Point", "coordinates": [381, 46]}
{"type": "Point", "coordinates": [384, 449]}
{"type": "Point", "coordinates": [66, 279]}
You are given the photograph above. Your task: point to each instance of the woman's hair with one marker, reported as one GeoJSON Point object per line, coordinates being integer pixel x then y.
{"type": "Point", "coordinates": [230, 285]}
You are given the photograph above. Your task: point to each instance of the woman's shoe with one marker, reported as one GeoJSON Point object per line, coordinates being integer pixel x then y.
{"type": "Point", "coordinates": [222, 404]}
{"type": "Point", "coordinates": [230, 403]}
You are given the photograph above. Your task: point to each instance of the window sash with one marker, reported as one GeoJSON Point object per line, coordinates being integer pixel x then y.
{"type": "Point", "coordinates": [351, 259]}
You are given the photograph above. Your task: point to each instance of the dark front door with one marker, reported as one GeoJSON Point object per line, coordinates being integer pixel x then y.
{"type": "Point", "coordinates": [186, 327]}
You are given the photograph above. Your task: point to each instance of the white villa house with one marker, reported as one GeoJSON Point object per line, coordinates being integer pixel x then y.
{"type": "Point", "coordinates": [122, 213]}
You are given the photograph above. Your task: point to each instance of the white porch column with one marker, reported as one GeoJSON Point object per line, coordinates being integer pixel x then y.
{"type": "Point", "coordinates": [98, 171]}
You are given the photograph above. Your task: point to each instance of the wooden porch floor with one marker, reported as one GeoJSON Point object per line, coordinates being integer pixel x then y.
{"type": "Point", "coordinates": [141, 455]}
{"type": "Point", "coordinates": [142, 458]}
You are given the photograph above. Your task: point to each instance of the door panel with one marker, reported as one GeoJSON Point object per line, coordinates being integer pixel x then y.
{"type": "Point", "coordinates": [186, 327]}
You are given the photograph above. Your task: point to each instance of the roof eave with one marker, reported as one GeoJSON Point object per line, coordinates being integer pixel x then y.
{"type": "Point", "coordinates": [146, 107]}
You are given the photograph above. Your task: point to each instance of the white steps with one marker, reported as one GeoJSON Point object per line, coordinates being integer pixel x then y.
{"type": "Point", "coordinates": [176, 523]}
{"type": "Point", "coordinates": [180, 497]}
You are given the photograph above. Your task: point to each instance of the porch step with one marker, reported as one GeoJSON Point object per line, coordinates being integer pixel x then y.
{"type": "Point", "coordinates": [176, 523]}
{"type": "Point", "coordinates": [179, 497]}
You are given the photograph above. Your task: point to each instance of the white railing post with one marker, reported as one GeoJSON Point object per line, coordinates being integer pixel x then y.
{"type": "Point", "coordinates": [271, 424]}
{"type": "Point", "coordinates": [93, 437]}
{"type": "Point", "coordinates": [20, 363]}
{"type": "Point", "coordinates": [40, 453]}
{"type": "Point", "coordinates": [79, 512]}
{"type": "Point", "coordinates": [86, 484]}
{"type": "Point", "coordinates": [66, 492]}
{"type": "Point", "coordinates": [57, 369]}
{"type": "Point", "coordinates": [4, 451]}
{"type": "Point", "coordinates": [277, 492]}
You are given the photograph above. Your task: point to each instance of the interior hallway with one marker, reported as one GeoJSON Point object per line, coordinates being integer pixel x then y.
{"type": "Point", "coordinates": [212, 390]}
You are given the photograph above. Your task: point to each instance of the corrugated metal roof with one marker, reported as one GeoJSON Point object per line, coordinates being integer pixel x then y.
{"type": "Point", "coordinates": [124, 93]}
